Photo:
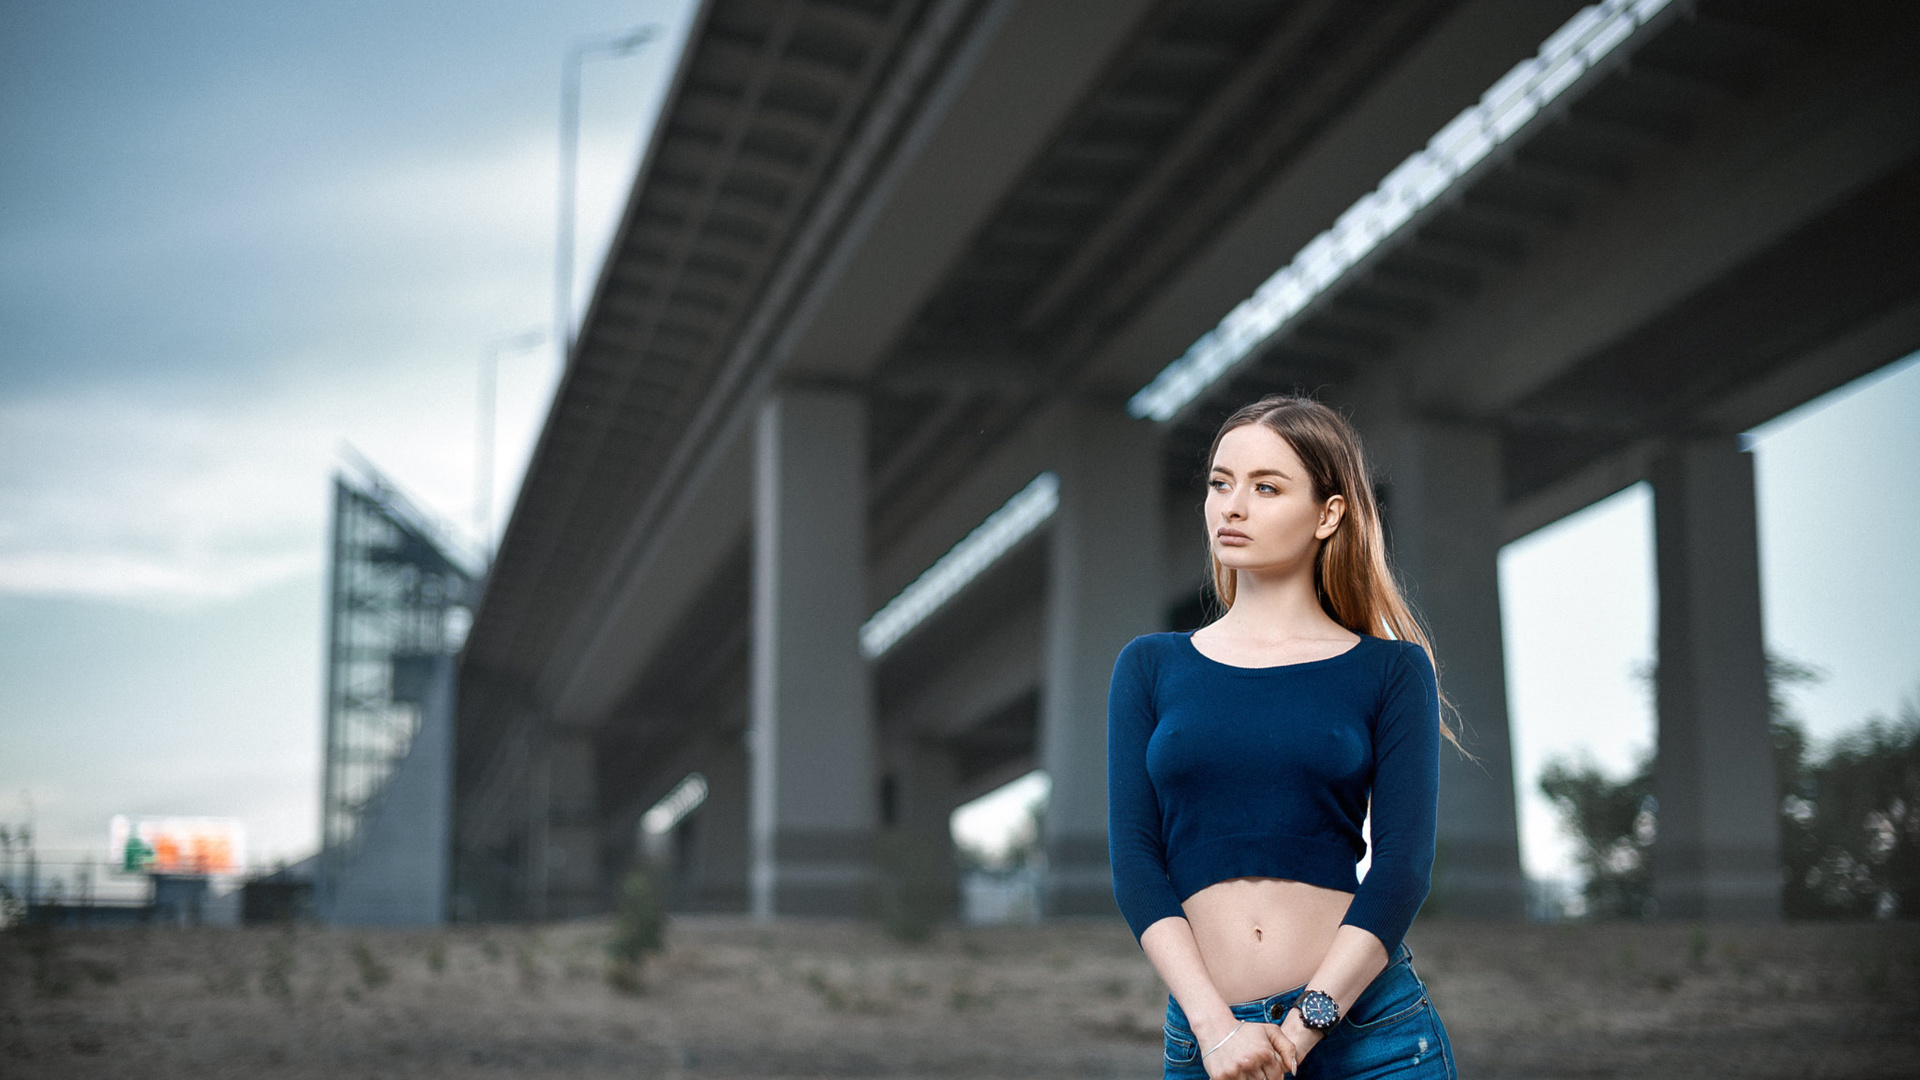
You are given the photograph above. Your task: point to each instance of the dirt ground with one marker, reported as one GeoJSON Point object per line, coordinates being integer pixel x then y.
{"type": "Point", "coordinates": [797, 999]}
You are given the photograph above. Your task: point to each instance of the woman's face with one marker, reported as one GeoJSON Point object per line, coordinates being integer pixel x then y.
{"type": "Point", "coordinates": [1261, 510]}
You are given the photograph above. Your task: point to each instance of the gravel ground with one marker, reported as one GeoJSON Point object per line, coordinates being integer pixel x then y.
{"type": "Point", "coordinates": [813, 999]}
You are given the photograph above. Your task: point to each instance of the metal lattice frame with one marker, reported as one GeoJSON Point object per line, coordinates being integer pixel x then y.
{"type": "Point", "coordinates": [396, 602]}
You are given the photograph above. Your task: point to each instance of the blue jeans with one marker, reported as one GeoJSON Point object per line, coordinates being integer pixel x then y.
{"type": "Point", "coordinates": [1392, 1030]}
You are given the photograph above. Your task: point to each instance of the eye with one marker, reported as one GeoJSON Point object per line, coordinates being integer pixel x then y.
{"type": "Point", "coordinates": [1217, 484]}
{"type": "Point", "coordinates": [1266, 489]}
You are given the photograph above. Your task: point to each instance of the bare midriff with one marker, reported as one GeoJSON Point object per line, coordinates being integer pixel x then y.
{"type": "Point", "coordinates": [1259, 936]}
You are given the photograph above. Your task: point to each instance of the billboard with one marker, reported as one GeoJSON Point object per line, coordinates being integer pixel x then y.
{"type": "Point", "coordinates": [177, 845]}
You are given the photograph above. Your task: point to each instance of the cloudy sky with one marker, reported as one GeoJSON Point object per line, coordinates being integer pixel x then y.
{"type": "Point", "coordinates": [235, 237]}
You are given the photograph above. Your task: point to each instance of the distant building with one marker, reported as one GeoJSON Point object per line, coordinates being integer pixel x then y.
{"type": "Point", "coordinates": [398, 603]}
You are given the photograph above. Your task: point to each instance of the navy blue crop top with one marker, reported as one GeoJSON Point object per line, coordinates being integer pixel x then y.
{"type": "Point", "coordinates": [1217, 772]}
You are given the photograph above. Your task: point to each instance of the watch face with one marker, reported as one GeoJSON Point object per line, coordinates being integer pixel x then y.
{"type": "Point", "coordinates": [1319, 1010]}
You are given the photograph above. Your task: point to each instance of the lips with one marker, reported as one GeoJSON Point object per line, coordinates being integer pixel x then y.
{"type": "Point", "coordinates": [1232, 537]}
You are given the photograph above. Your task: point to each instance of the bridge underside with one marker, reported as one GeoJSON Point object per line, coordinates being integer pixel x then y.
{"type": "Point", "coordinates": [886, 263]}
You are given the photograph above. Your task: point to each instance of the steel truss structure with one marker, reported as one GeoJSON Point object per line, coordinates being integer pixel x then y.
{"type": "Point", "coordinates": [399, 600]}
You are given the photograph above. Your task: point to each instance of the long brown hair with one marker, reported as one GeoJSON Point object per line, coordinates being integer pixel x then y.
{"type": "Point", "coordinates": [1351, 575]}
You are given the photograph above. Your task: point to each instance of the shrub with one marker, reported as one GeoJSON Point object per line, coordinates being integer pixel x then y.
{"type": "Point", "coordinates": [1849, 819]}
{"type": "Point", "coordinates": [639, 928]}
{"type": "Point", "coordinates": [1612, 821]}
{"type": "Point", "coordinates": [1850, 822]}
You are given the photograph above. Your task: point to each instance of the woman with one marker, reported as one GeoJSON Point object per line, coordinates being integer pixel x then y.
{"type": "Point", "coordinates": [1244, 757]}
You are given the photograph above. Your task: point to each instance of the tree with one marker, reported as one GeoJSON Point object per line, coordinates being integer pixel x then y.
{"type": "Point", "coordinates": [1849, 820]}
{"type": "Point", "coordinates": [1613, 823]}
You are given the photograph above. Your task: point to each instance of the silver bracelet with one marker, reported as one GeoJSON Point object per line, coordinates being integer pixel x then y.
{"type": "Point", "coordinates": [1223, 1042]}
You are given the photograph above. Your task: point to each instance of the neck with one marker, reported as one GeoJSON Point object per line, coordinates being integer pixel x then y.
{"type": "Point", "coordinates": [1279, 605]}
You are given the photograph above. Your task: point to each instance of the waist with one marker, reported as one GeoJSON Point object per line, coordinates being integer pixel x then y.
{"type": "Point", "coordinates": [1260, 935]}
{"type": "Point", "coordinates": [1271, 1008]}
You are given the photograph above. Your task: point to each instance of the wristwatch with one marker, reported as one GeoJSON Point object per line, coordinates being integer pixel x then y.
{"type": "Point", "coordinates": [1318, 1011]}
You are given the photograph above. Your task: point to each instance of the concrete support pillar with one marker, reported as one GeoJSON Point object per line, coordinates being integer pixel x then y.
{"type": "Point", "coordinates": [1103, 589]}
{"type": "Point", "coordinates": [1716, 853]}
{"type": "Point", "coordinates": [718, 833]}
{"type": "Point", "coordinates": [567, 852]}
{"type": "Point", "coordinates": [814, 788]}
{"type": "Point", "coordinates": [1445, 505]}
{"type": "Point", "coordinates": [918, 793]}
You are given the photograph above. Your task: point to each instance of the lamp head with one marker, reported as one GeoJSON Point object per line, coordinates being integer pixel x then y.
{"type": "Point", "coordinates": [634, 39]}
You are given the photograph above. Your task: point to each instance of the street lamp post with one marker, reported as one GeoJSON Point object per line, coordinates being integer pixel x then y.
{"type": "Point", "coordinates": [593, 48]}
{"type": "Point", "coordinates": [488, 413]}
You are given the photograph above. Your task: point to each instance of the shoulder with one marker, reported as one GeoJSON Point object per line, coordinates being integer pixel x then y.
{"type": "Point", "coordinates": [1390, 653]}
{"type": "Point", "coordinates": [1138, 670]}
{"type": "Point", "coordinates": [1410, 654]}
{"type": "Point", "coordinates": [1407, 673]}
{"type": "Point", "coordinates": [1396, 665]}
{"type": "Point", "coordinates": [1148, 651]}
{"type": "Point", "coordinates": [1149, 658]}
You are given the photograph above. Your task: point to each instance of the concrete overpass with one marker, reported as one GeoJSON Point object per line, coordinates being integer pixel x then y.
{"type": "Point", "coordinates": [885, 263]}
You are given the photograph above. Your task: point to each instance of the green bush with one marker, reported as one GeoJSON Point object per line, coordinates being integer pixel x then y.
{"type": "Point", "coordinates": [639, 928]}
{"type": "Point", "coordinates": [1849, 819]}
{"type": "Point", "coordinates": [1612, 821]}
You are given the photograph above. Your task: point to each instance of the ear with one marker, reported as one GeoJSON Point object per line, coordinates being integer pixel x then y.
{"type": "Point", "coordinates": [1332, 512]}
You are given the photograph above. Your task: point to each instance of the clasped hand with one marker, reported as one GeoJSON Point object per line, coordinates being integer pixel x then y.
{"type": "Point", "coordinates": [1254, 1051]}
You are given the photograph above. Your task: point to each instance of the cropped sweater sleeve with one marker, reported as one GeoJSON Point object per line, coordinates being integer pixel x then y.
{"type": "Point", "coordinates": [1136, 844]}
{"type": "Point", "coordinates": [1406, 800]}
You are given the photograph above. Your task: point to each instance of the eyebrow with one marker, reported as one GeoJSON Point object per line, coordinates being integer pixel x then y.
{"type": "Point", "coordinates": [1254, 473]}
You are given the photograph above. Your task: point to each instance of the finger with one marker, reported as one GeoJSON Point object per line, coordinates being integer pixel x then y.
{"type": "Point", "coordinates": [1282, 1047]}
